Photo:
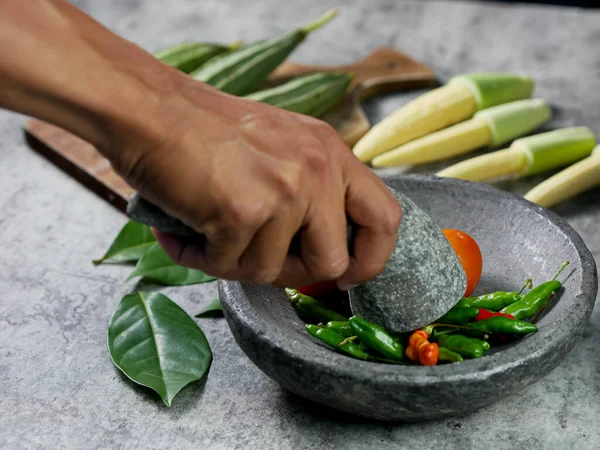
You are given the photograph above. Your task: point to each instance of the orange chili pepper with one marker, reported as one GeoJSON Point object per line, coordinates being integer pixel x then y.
{"type": "Point", "coordinates": [416, 337]}
{"type": "Point", "coordinates": [421, 350]}
{"type": "Point", "coordinates": [428, 354]}
{"type": "Point", "coordinates": [412, 354]}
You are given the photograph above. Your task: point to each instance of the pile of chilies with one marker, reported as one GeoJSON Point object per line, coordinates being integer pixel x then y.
{"type": "Point", "coordinates": [466, 331]}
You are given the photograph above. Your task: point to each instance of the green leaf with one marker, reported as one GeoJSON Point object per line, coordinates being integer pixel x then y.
{"type": "Point", "coordinates": [131, 243]}
{"type": "Point", "coordinates": [215, 309]}
{"type": "Point", "coordinates": [156, 344]}
{"type": "Point", "coordinates": [156, 265]}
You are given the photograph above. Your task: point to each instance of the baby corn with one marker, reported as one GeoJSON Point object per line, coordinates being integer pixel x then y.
{"type": "Point", "coordinates": [459, 100]}
{"type": "Point", "coordinates": [527, 156]}
{"type": "Point", "coordinates": [494, 126]}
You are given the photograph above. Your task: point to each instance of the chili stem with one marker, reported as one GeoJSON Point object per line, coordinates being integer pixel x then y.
{"type": "Point", "coordinates": [439, 333]}
{"type": "Point", "coordinates": [348, 339]}
{"type": "Point", "coordinates": [565, 264]}
{"type": "Point", "coordinates": [528, 282]}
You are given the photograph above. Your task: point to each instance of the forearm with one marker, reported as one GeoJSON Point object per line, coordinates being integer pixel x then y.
{"type": "Point", "coordinates": [58, 64]}
{"type": "Point", "coordinates": [247, 175]}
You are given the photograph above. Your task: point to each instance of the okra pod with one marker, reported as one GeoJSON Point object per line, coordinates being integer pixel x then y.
{"type": "Point", "coordinates": [244, 70]}
{"type": "Point", "coordinates": [312, 95]}
{"type": "Point", "coordinates": [191, 55]}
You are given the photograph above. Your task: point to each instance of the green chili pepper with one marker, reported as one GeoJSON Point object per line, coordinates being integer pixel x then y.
{"type": "Point", "coordinates": [463, 345]}
{"type": "Point", "coordinates": [312, 310]}
{"type": "Point", "coordinates": [485, 345]}
{"type": "Point", "coordinates": [339, 327]}
{"type": "Point", "coordinates": [447, 355]}
{"type": "Point", "coordinates": [504, 325]}
{"type": "Point", "coordinates": [536, 298]}
{"type": "Point", "coordinates": [334, 340]}
{"type": "Point", "coordinates": [364, 347]}
{"type": "Point", "coordinates": [459, 315]}
{"type": "Point", "coordinates": [530, 303]}
{"type": "Point", "coordinates": [494, 301]}
{"type": "Point", "coordinates": [376, 338]}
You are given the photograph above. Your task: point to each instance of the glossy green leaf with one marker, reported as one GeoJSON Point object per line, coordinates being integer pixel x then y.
{"type": "Point", "coordinates": [214, 309]}
{"type": "Point", "coordinates": [156, 265]}
{"type": "Point", "coordinates": [156, 344]}
{"type": "Point", "coordinates": [130, 244]}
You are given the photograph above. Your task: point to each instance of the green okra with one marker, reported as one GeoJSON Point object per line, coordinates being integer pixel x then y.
{"type": "Point", "coordinates": [245, 69]}
{"type": "Point", "coordinates": [312, 95]}
{"type": "Point", "coordinates": [190, 56]}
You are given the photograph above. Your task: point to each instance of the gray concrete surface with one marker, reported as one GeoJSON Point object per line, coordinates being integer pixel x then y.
{"type": "Point", "coordinates": [58, 388]}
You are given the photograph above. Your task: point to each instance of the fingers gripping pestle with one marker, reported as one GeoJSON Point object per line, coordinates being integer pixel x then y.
{"type": "Point", "coordinates": [422, 279]}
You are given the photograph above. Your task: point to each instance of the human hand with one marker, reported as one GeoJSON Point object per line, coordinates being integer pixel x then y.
{"type": "Point", "coordinates": [249, 177]}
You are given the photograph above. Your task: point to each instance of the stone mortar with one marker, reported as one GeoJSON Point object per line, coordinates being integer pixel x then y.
{"type": "Point", "coordinates": [518, 240]}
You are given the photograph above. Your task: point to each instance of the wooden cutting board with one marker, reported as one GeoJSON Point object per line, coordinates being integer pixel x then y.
{"type": "Point", "coordinates": [383, 70]}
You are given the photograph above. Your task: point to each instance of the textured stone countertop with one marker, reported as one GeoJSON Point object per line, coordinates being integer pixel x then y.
{"type": "Point", "coordinates": [58, 387]}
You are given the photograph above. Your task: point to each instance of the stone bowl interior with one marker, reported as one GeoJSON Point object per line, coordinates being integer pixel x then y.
{"type": "Point", "coordinates": [517, 239]}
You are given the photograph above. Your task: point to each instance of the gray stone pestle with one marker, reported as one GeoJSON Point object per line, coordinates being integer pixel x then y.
{"type": "Point", "coordinates": [422, 280]}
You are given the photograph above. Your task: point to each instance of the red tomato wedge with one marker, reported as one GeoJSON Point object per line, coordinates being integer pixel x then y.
{"type": "Point", "coordinates": [320, 289]}
{"type": "Point", "coordinates": [469, 255]}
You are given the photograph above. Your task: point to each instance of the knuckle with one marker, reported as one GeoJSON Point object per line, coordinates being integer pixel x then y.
{"type": "Point", "coordinates": [316, 159]}
{"type": "Point", "coordinates": [289, 182]}
{"type": "Point", "coordinates": [213, 229]}
{"type": "Point", "coordinates": [331, 267]}
{"type": "Point", "coordinates": [391, 218]}
{"type": "Point", "coordinates": [248, 214]}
